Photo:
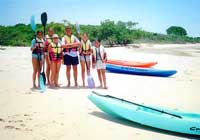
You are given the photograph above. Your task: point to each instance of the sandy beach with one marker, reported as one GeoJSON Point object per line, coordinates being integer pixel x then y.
{"type": "Point", "coordinates": [67, 114]}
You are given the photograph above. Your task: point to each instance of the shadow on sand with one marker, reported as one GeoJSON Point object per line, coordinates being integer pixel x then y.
{"type": "Point", "coordinates": [139, 126]}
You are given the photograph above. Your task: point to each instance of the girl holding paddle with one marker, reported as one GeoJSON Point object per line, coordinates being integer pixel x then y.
{"type": "Point", "coordinates": [37, 47]}
{"type": "Point", "coordinates": [85, 53]}
{"type": "Point", "coordinates": [99, 59]}
{"type": "Point", "coordinates": [55, 56]}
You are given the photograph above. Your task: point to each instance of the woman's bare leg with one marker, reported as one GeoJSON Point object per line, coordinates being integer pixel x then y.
{"type": "Point", "coordinates": [100, 78]}
{"type": "Point", "coordinates": [58, 64]}
{"type": "Point", "coordinates": [48, 68]}
{"type": "Point", "coordinates": [53, 74]}
{"type": "Point", "coordinates": [35, 70]}
{"type": "Point", "coordinates": [104, 78]}
{"type": "Point", "coordinates": [83, 71]}
{"type": "Point", "coordinates": [68, 70]}
{"type": "Point", "coordinates": [75, 72]}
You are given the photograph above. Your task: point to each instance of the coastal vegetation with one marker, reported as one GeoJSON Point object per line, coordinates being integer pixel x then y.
{"type": "Point", "coordinates": [111, 32]}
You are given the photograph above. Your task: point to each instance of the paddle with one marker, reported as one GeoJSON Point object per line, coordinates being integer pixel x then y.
{"type": "Point", "coordinates": [161, 111]}
{"type": "Point", "coordinates": [90, 80]}
{"type": "Point", "coordinates": [42, 74]}
{"type": "Point", "coordinates": [78, 28]}
{"type": "Point", "coordinates": [33, 26]}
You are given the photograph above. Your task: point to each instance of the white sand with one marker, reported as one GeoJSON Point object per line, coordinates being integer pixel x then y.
{"type": "Point", "coordinates": [62, 114]}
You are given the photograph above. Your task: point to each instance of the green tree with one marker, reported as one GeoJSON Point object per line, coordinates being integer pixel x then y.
{"type": "Point", "coordinates": [131, 25]}
{"type": "Point", "coordinates": [176, 30]}
{"type": "Point", "coordinates": [108, 31]}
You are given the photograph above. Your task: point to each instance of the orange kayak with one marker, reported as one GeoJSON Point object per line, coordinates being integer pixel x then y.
{"type": "Point", "coordinates": [131, 63]}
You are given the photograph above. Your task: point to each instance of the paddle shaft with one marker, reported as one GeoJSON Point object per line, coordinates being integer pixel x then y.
{"type": "Point", "coordinates": [38, 56]}
{"type": "Point", "coordinates": [86, 63]}
{"type": "Point", "coordinates": [78, 31]}
{"type": "Point", "coordinates": [44, 21]}
{"type": "Point", "coordinates": [42, 52]}
{"type": "Point", "coordinates": [161, 111]}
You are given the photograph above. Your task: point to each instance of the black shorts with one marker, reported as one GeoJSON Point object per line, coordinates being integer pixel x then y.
{"type": "Point", "coordinates": [69, 60]}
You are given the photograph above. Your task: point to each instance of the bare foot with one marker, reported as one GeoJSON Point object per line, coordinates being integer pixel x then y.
{"type": "Point", "coordinates": [76, 84]}
{"type": "Point", "coordinates": [68, 85]}
{"type": "Point", "coordinates": [48, 84]}
{"type": "Point", "coordinates": [33, 89]}
{"type": "Point", "coordinates": [57, 85]}
{"type": "Point", "coordinates": [52, 85]}
{"type": "Point", "coordinates": [100, 86]}
{"type": "Point", "coordinates": [105, 87]}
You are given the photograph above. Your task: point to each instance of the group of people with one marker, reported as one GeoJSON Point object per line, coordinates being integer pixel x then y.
{"type": "Point", "coordinates": [68, 51]}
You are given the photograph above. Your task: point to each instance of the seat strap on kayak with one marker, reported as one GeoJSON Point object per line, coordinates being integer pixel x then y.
{"type": "Point", "coordinates": [161, 111]}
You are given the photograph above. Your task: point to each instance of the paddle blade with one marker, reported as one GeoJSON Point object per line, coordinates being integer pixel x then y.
{"type": "Point", "coordinates": [44, 18]}
{"type": "Point", "coordinates": [44, 77]}
{"type": "Point", "coordinates": [33, 25]}
{"type": "Point", "coordinates": [78, 28]}
{"type": "Point", "coordinates": [42, 86]}
{"type": "Point", "coordinates": [90, 81]}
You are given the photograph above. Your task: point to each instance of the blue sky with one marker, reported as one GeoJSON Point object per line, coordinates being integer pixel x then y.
{"type": "Point", "coordinates": [152, 15]}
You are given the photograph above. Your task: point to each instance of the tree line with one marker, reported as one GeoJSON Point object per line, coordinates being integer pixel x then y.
{"type": "Point", "coordinates": [110, 32]}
